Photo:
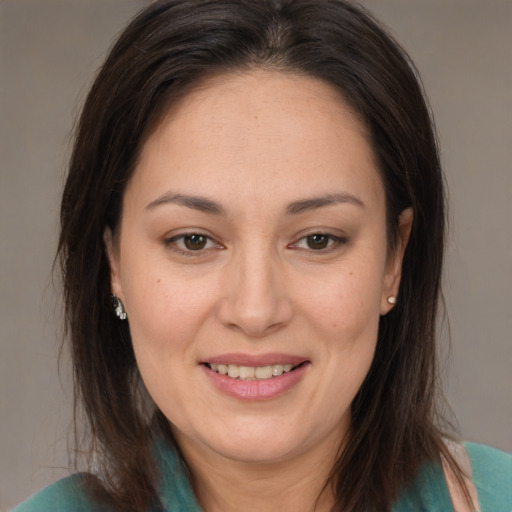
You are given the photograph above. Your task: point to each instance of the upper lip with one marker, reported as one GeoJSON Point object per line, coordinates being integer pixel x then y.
{"type": "Point", "coordinates": [255, 360]}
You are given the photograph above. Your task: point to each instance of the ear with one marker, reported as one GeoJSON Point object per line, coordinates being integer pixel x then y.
{"type": "Point", "coordinates": [394, 263]}
{"type": "Point", "coordinates": [113, 260]}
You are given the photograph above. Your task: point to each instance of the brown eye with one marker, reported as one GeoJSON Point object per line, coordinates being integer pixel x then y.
{"type": "Point", "coordinates": [195, 242]}
{"type": "Point", "coordinates": [192, 244]}
{"type": "Point", "coordinates": [318, 241]}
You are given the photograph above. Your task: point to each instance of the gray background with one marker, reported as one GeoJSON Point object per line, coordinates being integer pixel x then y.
{"type": "Point", "coordinates": [49, 51]}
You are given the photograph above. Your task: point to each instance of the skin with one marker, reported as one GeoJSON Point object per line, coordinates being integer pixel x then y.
{"type": "Point", "coordinates": [254, 143]}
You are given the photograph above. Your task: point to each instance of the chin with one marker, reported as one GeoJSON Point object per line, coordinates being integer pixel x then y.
{"type": "Point", "coordinates": [249, 441]}
{"type": "Point", "coordinates": [258, 451]}
{"type": "Point", "coordinates": [277, 446]}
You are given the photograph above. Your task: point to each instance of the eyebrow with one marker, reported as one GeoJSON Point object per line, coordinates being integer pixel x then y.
{"type": "Point", "coordinates": [206, 205]}
{"type": "Point", "coordinates": [199, 203]}
{"type": "Point", "coordinates": [313, 203]}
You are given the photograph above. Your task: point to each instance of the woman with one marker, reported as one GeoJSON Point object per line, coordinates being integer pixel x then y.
{"type": "Point", "coordinates": [252, 239]}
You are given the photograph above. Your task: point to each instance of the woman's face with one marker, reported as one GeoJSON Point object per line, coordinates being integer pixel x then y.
{"type": "Point", "coordinates": [253, 241]}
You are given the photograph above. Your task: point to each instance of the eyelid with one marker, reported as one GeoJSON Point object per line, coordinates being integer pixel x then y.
{"type": "Point", "coordinates": [336, 241]}
{"type": "Point", "coordinates": [170, 242]}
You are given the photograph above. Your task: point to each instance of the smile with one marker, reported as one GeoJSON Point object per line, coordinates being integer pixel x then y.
{"type": "Point", "coordinates": [258, 382]}
{"type": "Point", "coordinates": [248, 373]}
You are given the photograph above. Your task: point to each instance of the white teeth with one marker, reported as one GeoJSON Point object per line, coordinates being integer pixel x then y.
{"type": "Point", "coordinates": [250, 372]}
{"type": "Point", "coordinates": [233, 371]}
{"type": "Point", "coordinates": [246, 372]}
{"type": "Point", "coordinates": [277, 370]}
{"type": "Point", "coordinates": [263, 372]}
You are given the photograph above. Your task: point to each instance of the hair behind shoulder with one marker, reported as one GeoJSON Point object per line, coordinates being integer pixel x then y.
{"type": "Point", "coordinates": [167, 49]}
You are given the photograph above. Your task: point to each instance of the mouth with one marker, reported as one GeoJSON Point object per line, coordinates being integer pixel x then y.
{"type": "Point", "coordinates": [250, 373]}
{"type": "Point", "coordinates": [255, 377]}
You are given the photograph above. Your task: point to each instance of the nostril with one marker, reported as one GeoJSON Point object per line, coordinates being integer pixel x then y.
{"type": "Point", "coordinates": [254, 301]}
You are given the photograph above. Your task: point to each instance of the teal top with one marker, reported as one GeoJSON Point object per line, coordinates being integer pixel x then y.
{"type": "Point", "coordinates": [492, 476]}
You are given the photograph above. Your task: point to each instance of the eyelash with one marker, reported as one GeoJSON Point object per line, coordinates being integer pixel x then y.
{"type": "Point", "coordinates": [172, 244]}
{"type": "Point", "coordinates": [333, 242]}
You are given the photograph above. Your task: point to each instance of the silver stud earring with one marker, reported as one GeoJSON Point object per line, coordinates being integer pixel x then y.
{"type": "Point", "coordinates": [392, 300]}
{"type": "Point", "coordinates": [118, 307]}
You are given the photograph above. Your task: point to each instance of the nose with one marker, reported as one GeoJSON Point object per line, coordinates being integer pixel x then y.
{"type": "Point", "coordinates": [255, 300]}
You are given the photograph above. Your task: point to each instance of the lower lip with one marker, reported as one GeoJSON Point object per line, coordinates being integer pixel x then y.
{"type": "Point", "coordinates": [257, 390]}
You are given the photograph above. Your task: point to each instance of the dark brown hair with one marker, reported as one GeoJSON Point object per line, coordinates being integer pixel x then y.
{"type": "Point", "coordinates": [167, 49]}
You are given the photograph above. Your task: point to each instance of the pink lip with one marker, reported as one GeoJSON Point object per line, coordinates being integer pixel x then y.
{"type": "Point", "coordinates": [256, 360]}
{"type": "Point", "coordinates": [256, 390]}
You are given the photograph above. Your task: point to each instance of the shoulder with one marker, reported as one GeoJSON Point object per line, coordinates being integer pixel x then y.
{"type": "Point", "coordinates": [428, 491]}
{"type": "Point", "coordinates": [492, 475]}
{"type": "Point", "coordinates": [62, 496]}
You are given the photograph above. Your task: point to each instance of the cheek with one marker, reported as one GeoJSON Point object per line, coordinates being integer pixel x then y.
{"type": "Point", "coordinates": [347, 301]}
{"type": "Point", "coordinates": [164, 307]}
{"type": "Point", "coordinates": [347, 317]}
{"type": "Point", "coordinates": [166, 311]}
{"type": "Point", "coordinates": [165, 317]}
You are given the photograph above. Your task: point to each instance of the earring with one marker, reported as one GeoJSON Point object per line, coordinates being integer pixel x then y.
{"type": "Point", "coordinates": [392, 300]}
{"type": "Point", "coordinates": [118, 307]}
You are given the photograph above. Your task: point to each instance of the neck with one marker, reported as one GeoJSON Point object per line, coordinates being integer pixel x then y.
{"type": "Point", "coordinates": [297, 484]}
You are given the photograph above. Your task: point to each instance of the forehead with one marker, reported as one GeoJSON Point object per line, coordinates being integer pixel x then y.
{"type": "Point", "coordinates": [266, 131]}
